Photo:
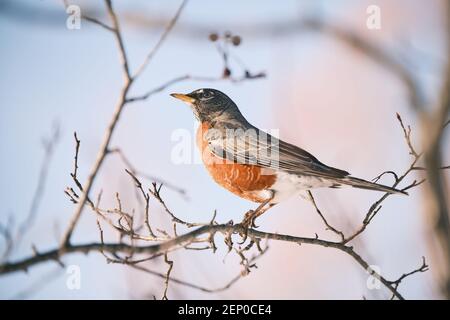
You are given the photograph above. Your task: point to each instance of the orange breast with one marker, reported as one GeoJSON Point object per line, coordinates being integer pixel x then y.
{"type": "Point", "coordinates": [244, 180]}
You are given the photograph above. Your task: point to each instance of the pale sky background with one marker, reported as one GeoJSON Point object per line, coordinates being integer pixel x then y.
{"type": "Point", "coordinates": [322, 96]}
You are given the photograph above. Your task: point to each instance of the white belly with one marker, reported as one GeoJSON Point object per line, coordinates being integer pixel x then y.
{"type": "Point", "coordinates": [288, 185]}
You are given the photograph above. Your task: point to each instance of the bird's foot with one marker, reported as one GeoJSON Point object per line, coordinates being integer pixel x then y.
{"type": "Point", "coordinates": [247, 223]}
{"type": "Point", "coordinates": [249, 219]}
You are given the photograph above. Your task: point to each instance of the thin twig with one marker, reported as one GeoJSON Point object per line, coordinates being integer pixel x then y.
{"type": "Point", "coordinates": [376, 206]}
{"type": "Point", "coordinates": [423, 268]}
{"type": "Point", "coordinates": [39, 284]}
{"type": "Point", "coordinates": [136, 172]}
{"type": "Point", "coordinates": [155, 191]}
{"type": "Point", "coordinates": [169, 270]}
{"type": "Point", "coordinates": [97, 22]}
{"type": "Point", "coordinates": [163, 37]}
{"type": "Point", "coordinates": [329, 227]}
{"type": "Point", "coordinates": [118, 35]}
{"type": "Point", "coordinates": [146, 197]}
{"type": "Point", "coordinates": [197, 79]}
{"type": "Point", "coordinates": [49, 148]}
{"type": "Point", "coordinates": [407, 135]}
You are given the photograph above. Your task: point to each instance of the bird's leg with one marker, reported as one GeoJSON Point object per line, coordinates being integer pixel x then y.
{"type": "Point", "coordinates": [260, 212]}
{"type": "Point", "coordinates": [251, 215]}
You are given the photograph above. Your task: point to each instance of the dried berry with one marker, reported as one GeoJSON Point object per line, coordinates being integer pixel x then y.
{"type": "Point", "coordinates": [213, 37]}
{"type": "Point", "coordinates": [226, 72]}
{"type": "Point", "coordinates": [236, 40]}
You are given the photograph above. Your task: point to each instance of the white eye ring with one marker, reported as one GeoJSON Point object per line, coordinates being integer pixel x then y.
{"type": "Point", "coordinates": [207, 95]}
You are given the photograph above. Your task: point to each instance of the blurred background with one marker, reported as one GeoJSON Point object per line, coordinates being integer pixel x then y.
{"type": "Point", "coordinates": [319, 93]}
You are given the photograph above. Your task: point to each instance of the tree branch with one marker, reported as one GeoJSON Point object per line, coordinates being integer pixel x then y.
{"type": "Point", "coordinates": [109, 131]}
{"type": "Point", "coordinates": [163, 37]}
{"type": "Point", "coordinates": [55, 254]}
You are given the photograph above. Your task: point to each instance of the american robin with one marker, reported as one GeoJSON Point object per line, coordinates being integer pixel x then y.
{"type": "Point", "coordinates": [253, 164]}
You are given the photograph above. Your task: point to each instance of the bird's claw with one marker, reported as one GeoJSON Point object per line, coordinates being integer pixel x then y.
{"type": "Point", "coordinates": [248, 223]}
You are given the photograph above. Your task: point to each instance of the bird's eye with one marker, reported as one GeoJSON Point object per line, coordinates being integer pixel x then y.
{"type": "Point", "coordinates": [207, 94]}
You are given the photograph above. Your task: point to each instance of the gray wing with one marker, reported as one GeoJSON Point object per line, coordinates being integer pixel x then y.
{"type": "Point", "coordinates": [258, 147]}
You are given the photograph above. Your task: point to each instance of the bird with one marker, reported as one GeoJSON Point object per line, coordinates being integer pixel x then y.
{"type": "Point", "coordinates": [255, 165]}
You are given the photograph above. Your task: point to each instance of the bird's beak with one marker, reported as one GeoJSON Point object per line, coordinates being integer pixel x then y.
{"type": "Point", "coordinates": [183, 97]}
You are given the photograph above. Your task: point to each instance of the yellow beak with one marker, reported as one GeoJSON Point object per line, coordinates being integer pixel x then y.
{"type": "Point", "coordinates": [183, 97]}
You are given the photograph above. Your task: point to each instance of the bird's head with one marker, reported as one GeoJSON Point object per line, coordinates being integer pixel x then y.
{"type": "Point", "coordinates": [209, 104]}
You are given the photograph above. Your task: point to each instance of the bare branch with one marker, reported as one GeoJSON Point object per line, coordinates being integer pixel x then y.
{"type": "Point", "coordinates": [119, 40]}
{"type": "Point", "coordinates": [156, 194]}
{"type": "Point", "coordinates": [329, 227]}
{"type": "Point", "coordinates": [166, 282]}
{"type": "Point", "coordinates": [77, 149]}
{"type": "Point", "coordinates": [146, 197]}
{"type": "Point", "coordinates": [97, 22]}
{"type": "Point", "coordinates": [49, 147]}
{"type": "Point", "coordinates": [163, 37]}
{"type": "Point", "coordinates": [7, 232]}
{"type": "Point", "coordinates": [38, 285]}
{"type": "Point", "coordinates": [14, 238]}
{"type": "Point", "coordinates": [176, 80]}
{"type": "Point", "coordinates": [376, 206]}
{"type": "Point", "coordinates": [423, 168]}
{"type": "Point", "coordinates": [407, 134]}
{"type": "Point", "coordinates": [178, 242]}
{"type": "Point", "coordinates": [109, 131]}
{"type": "Point", "coordinates": [136, 172]}
{"type": "Point", "coordinates": [446, 124]}
{"type": "Point", "coordinates": [423, 268]}
{"type": "Point", "coordinates": [75, 166]}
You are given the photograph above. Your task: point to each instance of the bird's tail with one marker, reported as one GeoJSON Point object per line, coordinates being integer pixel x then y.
{"type": "Point", "coordinates": [363, 184]}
